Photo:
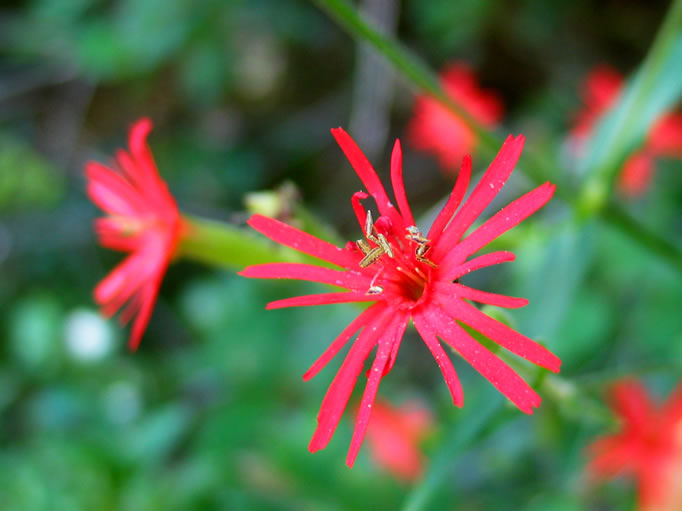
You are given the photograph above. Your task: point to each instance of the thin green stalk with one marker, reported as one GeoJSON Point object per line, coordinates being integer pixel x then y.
{"type": "Point", "coordinates": [536, 167]}
{"type": "Point", "coordinates": [616, 145]}
{"type": "Point", "coordinates": [221, 244]}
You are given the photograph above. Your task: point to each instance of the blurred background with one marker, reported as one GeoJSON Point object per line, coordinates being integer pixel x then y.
{"type": "Point", "coordinates": [211, 413]}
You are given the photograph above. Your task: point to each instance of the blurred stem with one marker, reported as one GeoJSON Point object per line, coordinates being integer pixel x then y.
{"type": "Point", "coordinates": [536, 167]}
{"type": "Point", "coordinates": [221, 244]}
{"type": "Point", "coordinates": [606, 168]}
{"type": "Point", "coordinates": [465, 432]}
{"type": "Point", "coordinates": [664, 249]}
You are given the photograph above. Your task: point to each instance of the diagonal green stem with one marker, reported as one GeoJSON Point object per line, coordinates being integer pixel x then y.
{"type": "Point", "coordinates": [221, 244]}
{"type": "Point", "coordinates": [536, 167]}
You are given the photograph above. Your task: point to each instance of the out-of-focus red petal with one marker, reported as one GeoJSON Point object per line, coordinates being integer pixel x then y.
{"type": "Point", "coordinates": [636, 175]}
{"type": "Point", "coordinates": [630, 400]}
{"type": "Point", "coordinates": [665, 137]}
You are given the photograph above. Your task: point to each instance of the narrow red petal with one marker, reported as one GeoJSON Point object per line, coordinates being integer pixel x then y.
{"type": "Point", "coordinates": [485, 362]}
{"type": "Point", "coordinates": [400, 332]}
{"type": "Point", "coordinates": [348, 278]}
{"type": "Point", "coordinates": [477, 263]}
{"type": "Point", "coordinates": [341, 388]}
{"type": "Point", "coordinates": [303, 242]}
{"type": "Point", "coordinates": [368, 397]}
{"type": "Point", "coordinates": [506, 337]}
{"type": "Point", "coordinates": [488, 187]}
{"type": "Point", "coordinates": [359, 209]}
{"type": "Point", "coordinates": [147, 301]}
{"type": "Point", "coordinates": [368, 176]}
{"type": "Point", "coordinates": [399, 185]}
{"type": "Point", "coordinates": [630, 399]}
{"type": "Point", "coordinates": [442, 359]}
{"type": "Point", "coordinates": [321, 299]}
{"type": "Point", "coordinates": [453, 202]}
{"type": "Point", "coordinates": [461, 291]}
{"type": "Point", "coordinates": [342, 339]}
{"type": "Point", "coordinates": [499, 223]}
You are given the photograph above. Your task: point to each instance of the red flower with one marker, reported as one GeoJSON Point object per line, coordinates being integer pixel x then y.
{"type": "Point", "coordinates": [410, 275]}
{"type": "Point", "coordinates": [436, 129]}
{"type": "Point", "coordinates": [601, 89]}
{"type": "Point", "coordinates": [143, 219]}
{"type": "Point", "coordinates": [393, 436]}
{"type": "Point", "coordinates": [648, 446]}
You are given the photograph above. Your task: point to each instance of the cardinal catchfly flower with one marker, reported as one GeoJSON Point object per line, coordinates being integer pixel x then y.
{"type": "Point", "coordinates": [647, 447]}
{"type": "Point", "coordinates": [412, 275]}
{"type": "Point", "coordinates": [143, 219]}
{"type": "Point", "coordinates": [434, 128]}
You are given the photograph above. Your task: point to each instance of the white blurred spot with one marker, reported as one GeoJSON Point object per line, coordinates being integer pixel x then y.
{"type": "Point", "coordinates": [88, 336]}
{"type": "Point", "coordinates": [122, 402]}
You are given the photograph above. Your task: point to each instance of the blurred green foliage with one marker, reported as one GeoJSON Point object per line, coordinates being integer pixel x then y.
{"type": "Point", "coordinates": [212, 413]}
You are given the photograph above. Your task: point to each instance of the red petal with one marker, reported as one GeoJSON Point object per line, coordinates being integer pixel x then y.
{"type": "Point", "coordinates": [499, 223]}
{"type": "Point", "coordinates": [458, 290]}
{"type": "Point", "coordinates": [147, 300]}
{"type": "Point", "coordinates": [348, 278]}
{"type": "Point", "coordinates": [368, 176]}
{"type": "Point", "coordinates": [630, 400]}
{"type": "Point", "coordinates": [111, 192]}
{"type": "Point", "coordinates": [368, 397]}
{"type": "Point", "coordinates": [488, 187]}
{"type": "Point", "coordinates": [321, 299]}
{"type": "Point", "coordinates": [500, 333]}
{"type": "Point", "coordinates": [442, 359]}
{"type": "Point", "coordinates": [492, 368]}
{"type": "Point", "coordinates": [342, 339]}
{"type": "Point", "coordinates": [399, 185]}
{"type": "Point", "coordinates": [359, 209]}
{"type": "Point", "coordinates": [336, 399]}
{"type": "Point", "coordinates": [453, 202]}
{"type": "Point", "coordinates": [477, 263]}
{"type": "Point", "coordinates": [400, 332]}
{"type": "Point", "coordinates": [303, 242]}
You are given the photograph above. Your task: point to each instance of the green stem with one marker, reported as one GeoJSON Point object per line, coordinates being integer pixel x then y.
{"type": "Point", "coordinates": [222, 244]}
{"type": "Point", "coordinates": [535, 166]}
{"type": "Point", "coordinates": [665, 250]}
{"type": "Point", "coordinates": [619, 140]}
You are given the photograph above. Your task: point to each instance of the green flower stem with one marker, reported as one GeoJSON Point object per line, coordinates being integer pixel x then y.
{"type": "Point", "coordinates": [536, 167]}
{"type": "Point", "coordinates": [221, 244]}
{"type": "Point", "coordinates": [612, 149]}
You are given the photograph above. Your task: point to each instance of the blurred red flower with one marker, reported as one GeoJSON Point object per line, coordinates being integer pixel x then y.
{"type": "Point", "coordinates": [393, 437]}
{"type": "Point", "coordinates": [436, 129]}
{"type": "Point", "coordinates": [143, 219]}
{"type": "Point", "coordinates": [648, 447]}
{"type": "Point", "coordinates": [410, 275]}
{"type": "Point", "coordinates": [600, 90]}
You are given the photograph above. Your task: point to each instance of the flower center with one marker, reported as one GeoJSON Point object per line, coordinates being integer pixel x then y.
{"type": "Point", "coordinates": [403, 269]}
